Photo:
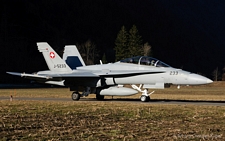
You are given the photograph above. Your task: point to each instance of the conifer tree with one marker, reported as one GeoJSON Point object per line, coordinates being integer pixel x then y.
{"type": "Point", "coordinates": [134, 42]}
{"type": "Point", "coordinates": [121, 44]}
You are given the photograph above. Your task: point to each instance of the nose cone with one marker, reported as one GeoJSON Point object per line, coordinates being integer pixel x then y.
{"type": "Point", "coordinates": [195, 79]}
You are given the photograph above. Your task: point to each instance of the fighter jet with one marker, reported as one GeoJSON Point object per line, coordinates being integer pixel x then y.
{"type": "Point", "coordinates": [109, 79]}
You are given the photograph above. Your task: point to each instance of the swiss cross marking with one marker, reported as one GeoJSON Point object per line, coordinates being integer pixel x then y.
{"type": "Point", "coordinates": [52, 55]}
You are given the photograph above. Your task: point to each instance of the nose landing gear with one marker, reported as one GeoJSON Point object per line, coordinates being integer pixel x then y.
{"type": "Point", "coordinates": [145, 97]}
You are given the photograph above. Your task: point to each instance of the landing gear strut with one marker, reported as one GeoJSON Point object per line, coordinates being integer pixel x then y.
{"type": "Point", "coordinates": [145, 97]}
{"type": "Point", "coordinates": [76, 95]}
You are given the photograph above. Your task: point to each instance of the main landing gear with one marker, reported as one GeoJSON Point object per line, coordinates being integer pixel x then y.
{"type": "Point", "coordinates": [75, 96]}
{"type": "Point", "coordinates": [145, 97]}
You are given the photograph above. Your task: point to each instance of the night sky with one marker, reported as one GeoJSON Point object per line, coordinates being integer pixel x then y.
{"type": "Point", "coordinates": [187, 34]}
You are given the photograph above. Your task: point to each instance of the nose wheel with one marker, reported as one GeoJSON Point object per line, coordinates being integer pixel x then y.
{"type": "Point", "coordinates": [75, 96]}
{"type": "Point", "coordinates": [145, 98]}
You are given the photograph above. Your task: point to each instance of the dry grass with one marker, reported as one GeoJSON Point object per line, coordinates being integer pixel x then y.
{"type": "Point", "coordinates": [214, 91]}
{"type": "Point", "coordinates": [37, 92]}
{"type": "Point", "coordinates": [51, 120]}
{"type": "Point", "coordinates": [34, 120]}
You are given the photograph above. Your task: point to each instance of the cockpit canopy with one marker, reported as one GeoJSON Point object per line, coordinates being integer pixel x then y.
{"type": "Point", "coordinates": [144, 60]}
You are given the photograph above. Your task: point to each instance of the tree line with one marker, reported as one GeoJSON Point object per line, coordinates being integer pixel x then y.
{"type": "Point", "coordinates": [127, 44]}
{"type": "Point", "coordinates": [218, 75]}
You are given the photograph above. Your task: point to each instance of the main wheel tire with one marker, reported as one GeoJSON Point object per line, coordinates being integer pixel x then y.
{"type": "Point", "coordinates": [99, 97]}
{"type": "Point", "coordinates": [75, 96]}
{"type": "Point", "coordinates": [145, 98]}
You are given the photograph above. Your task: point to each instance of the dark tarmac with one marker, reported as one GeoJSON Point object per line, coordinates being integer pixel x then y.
{"type": "Point", "coordinates": [153, 101]}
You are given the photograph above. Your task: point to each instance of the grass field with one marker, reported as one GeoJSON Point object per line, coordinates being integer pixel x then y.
{"type": "Point", "coordinates": [80, 120]}
{"type": "Point", "coordinates": [35, 120]}
{"type": "Point", "coordinates": [215, 91]}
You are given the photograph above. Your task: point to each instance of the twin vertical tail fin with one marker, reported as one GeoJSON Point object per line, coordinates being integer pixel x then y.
{"type": "Point", "coordinates": [54, 61]}
{"type": "Point", "coordinates": [72, 57]}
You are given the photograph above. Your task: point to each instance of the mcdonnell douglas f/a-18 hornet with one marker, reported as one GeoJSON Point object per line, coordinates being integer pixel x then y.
{"type": "Point", "coordinates": [108, 79]}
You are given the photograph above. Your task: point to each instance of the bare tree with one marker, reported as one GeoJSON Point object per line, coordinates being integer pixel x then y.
{"type": "Point", "coordinates": [223, 74]}
{"type": "Point", "coordinates": [147, 49]}
{"type": "Point", "coordinates": [216, 74]}
{"type": "Point", "coordinates": [88, 52]}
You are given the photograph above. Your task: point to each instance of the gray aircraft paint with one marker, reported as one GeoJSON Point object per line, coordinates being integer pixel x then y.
{"type": "Point", "coordinates": [148, 71]}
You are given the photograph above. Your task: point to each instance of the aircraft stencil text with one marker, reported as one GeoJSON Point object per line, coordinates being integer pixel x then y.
{"type": "Point", "coordinates": [60, 66]}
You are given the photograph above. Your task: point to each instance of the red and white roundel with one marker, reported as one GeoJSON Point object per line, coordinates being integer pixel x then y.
{"type": "Point", "coordinates": [52, 55]}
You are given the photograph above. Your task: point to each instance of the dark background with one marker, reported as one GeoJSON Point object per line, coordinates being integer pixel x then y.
{"type": "Point", "coordinates": [187, 34]}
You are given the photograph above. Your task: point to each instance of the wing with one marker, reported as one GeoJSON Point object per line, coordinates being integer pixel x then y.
{"type": "Point", "coordinates": [53, 77]}
{"type": "Point", "coordinates": [71, 79]}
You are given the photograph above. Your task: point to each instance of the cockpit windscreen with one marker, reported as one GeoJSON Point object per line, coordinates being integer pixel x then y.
{"type": "Point", "coordinates": [144, 60]}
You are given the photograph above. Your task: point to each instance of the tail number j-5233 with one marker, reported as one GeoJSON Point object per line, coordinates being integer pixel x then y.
{"type": "Point", "coordinates": [60, 66]}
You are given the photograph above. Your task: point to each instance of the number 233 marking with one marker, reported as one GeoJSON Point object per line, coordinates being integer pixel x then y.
{"type": "Point", "coordinates": [174, 73]}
